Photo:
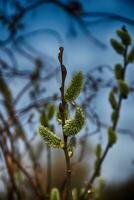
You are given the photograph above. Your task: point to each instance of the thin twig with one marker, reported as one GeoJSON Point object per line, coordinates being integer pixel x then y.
{"type": "Point", "coordinates": [62, 109]}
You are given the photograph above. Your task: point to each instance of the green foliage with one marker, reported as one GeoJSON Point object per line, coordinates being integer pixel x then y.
{"type": "Point", "coordinates": [112, 137]}
{"type": "Point", "coordinates": [118, 47]}
{"type": "Point", "coordinates": [73, 126]}
{"type": "Point", "coordinates": [50, 138]}
{"type": "Point", "coordinates": [118, 70]}
{"type": "Point", "coordinates": [124, 89]}
{"type": "Point", "coordinates": [74, 88]}
{"type": "Point", "coordinates": [124, 36]}
{"type": "Point", "coordinates": [55, 194]}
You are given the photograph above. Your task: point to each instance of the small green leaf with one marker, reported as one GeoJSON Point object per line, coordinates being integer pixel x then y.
{"type": "Point", "coordinates": [118, 71]}
{"type": "Point", "coordinates": [74, 88]}
{"type": "Point", "coordinates": [117, 46]}
{"type": "Point", "coordinates": [112, 138]}
{"type": "Point", "coordinates": [55, 194]}
{"type": "Point", "coordinates": [112, 100]}
{"type": "Point", "coordinates": [50, 138]}
{"type": "Point", "coordinates": [130, 57]}
{"type": "Point", "coordinates": [124, 89]}
{"type": "Point", "coordinates": [125, 37]}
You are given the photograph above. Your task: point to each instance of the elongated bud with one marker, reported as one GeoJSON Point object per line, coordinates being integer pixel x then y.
{"type": "Point", "coordinates": [117, 46]}
{"type": "Point", "coordinates": [73, 126]}
{"type": "Point", "coordinates": [114, 116]}
{"type": "Point", "coordinates": [55, 195]}
{"type": "Point", "coordinates": [50, 138]}
{"type": "Point", "coordinates": [125, 37]}
{"type": "Point", "coordinates": [74, 87]}
{"type": "Point", "coordinates": [118, 71]}
{"type": "Point", "coordinates": [124, 89]}
{"type": "Point", "coordinates": [112, 100]}
{"type": "Point", "coordinates": [70, 151]}
{"type": "Point", "coordinates": [111, 136]}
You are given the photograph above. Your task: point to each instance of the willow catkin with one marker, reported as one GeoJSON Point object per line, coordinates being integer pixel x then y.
{"type": "Point", "coordinates": [73, 126]}
{"type": "Point", "coordinates": [50, 138]}
{"type": "Point", "coordinates": [74, 88]}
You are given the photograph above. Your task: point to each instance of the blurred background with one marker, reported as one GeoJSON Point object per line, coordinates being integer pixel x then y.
{"type": "Point", "coordinates": [31, 33]}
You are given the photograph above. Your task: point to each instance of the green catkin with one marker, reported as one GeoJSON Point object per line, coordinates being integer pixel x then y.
{"type": "Point", "coordinates": [74, 87]}
{"type": "Point", "coordinates": [73, 126]}
{"type": "Point", "coordinates": [50, 138]}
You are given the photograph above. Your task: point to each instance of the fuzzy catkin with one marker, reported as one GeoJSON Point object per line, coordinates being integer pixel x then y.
{"type": "Point", "coordinates": [74, 87]}
{"type": "Point", "coordinates": [50, 138]}
{"type": "Point", "coordinates": [73, 126]}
